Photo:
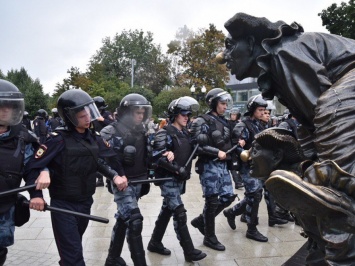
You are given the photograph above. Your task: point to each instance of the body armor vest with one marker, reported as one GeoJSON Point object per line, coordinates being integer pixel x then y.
{"type": "Point", "coordinates": [217, 124]}
{"type": "Point", "coordinates": [12, 153]}
{"type": "Point", "coordinates": [137, 139]}
{"type": "Point", "coordinates": [75, 178]}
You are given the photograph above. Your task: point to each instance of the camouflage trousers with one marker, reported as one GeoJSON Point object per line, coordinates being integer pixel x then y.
{"type": "Point", "coordinates": [126, 200]}
{"type": "Point", "coordinates": [7, 228]}
{"type": "Point", "coordinates": [171, 192]}
{"type": "Point", "coordinates": [216, 180]}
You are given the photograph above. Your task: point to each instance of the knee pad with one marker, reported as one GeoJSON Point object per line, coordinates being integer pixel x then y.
{"type": "Point", "coordinates": [258, 195]}
{"type": "Point", "coordinates": [212, 202]}
{"type": "Point", "coordinates": [135, 223]}
{"type": "Point", "coordinates": [227, 200]}
{"type": "Point", "coordinates": [180, 214]}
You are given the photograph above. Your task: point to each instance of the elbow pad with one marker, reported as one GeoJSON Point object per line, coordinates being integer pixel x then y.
{"type": "Point", "coordinates": [170, 166]}
{"type": "Point", "coordinates": [208, 150]}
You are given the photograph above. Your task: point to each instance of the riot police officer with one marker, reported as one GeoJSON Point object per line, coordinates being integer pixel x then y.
{"type": "Point", "coordinates": [26, 121]}
{"type": "Point", "coordinates": [245, 132]}
{"type": "Point", "coordinates": [128, 137]}
{"type": "Point", "coordinates": [17, 144]}
{"type": "Point", "coordinates": [55, 121]}
{"type": "Point", "coordinates": [73, 154]}
{"type": "Point", "coordinates": [39, 125]}
{"type": "Point", "coordinates": [104, 120]}
{"type": "Point", "coordinates": [212, 133]}
{"type": "Point", "coordinates": [234, 117]}
{"type": "Point", "coordinates": [171, 151]}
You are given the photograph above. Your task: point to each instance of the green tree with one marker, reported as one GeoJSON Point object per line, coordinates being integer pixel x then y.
{"type": "Point", "coordinates": [340, 19]}
{"type": "Point", "coordinates": [35, 99]}
{"type": "Point", "coordinates": [194, 54]}
{"type": "Point", "coordinates": [113, 59]}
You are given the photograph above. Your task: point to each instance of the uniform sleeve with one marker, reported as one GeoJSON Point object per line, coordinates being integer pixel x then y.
{"type": "Point", "coordinates": [46, 152]}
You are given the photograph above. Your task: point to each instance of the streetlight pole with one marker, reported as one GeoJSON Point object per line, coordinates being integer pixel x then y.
{"type": "Point", "coordinates": [133, 61]}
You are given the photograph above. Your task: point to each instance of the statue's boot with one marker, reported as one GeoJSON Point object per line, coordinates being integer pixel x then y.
{"type": "Point", "coordinates": [324, 202]}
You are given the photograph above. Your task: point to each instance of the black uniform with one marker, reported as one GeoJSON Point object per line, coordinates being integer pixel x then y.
{"type": "Point", "coordinates": [40, 129]}
{"type": "Point", "coordinates": [16, 146]}
{"type": "Point", "coordinates": [72, 159]}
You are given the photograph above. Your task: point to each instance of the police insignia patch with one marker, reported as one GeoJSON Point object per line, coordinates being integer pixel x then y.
{"type": "Point", "coordinates": [106, 143]}
{"type": "Point", "coordinates": [41, 150]}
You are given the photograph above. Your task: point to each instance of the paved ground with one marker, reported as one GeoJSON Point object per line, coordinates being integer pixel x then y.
{"type": "Point", "coordinates": [34, 244]}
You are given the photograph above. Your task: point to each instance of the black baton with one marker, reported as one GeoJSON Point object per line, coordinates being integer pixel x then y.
{"type": "Point", "coordinates": [137, 182]}
{"type": "Point", "coordinates": [192, 155]}
{"type": "Point", "coordinates": [228, 151]}
{"type": "Point", "coordinates": [79, 214]}
{"type": "Point", "coordinates": [16, 190]}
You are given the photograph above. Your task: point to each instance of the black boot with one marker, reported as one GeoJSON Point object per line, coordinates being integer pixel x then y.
{"type": "Point", "coordinates": [231, 213]}
{"type": "Point", "coordinates": [116, 245]}
{"type": "Point", "coordinates": [252, 232]}
{"type": "Point", "coordinates": [3, 253]}
{"type": "Point", "coordinates": [210, 239]}
{"type": "Point", "coordinates": [155, 244]}
{"type": "Point", "coordinates": [134, 238]}
{"type": "Point", "coordinates": [271, 209]}
{"type": "Point", "coordinates": [182, 232]}
{"type": "Point", "coordinates": [199, 223]}
{"type": "Point", "coordinates": [283, 214]}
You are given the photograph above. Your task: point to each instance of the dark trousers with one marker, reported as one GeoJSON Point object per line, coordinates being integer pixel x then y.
{"type": "Point", "coordinates": [69, 229]}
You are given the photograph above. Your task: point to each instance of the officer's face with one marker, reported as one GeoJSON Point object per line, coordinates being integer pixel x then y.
{"type": "Point", "coordinates": [5, 113]}
{"type": "Point", "coordinates": [83, 119]}
{"type": "Point", "coordinates": [138, 115]}
{"type": "Point", "coordinates": [181, 120]}
{"type": "Point", "coordinates": [233, 117]}
{"type": "Point", "coordinates": [221, 107]}
{"type": "Point", "coordinates": [262, 161]}
{"type": "Point", "coordinates": [266, 116]}
{"type": "Point", "coordinates": [239, 57]}
{"type": "Point", "coordinates": [259, 113]}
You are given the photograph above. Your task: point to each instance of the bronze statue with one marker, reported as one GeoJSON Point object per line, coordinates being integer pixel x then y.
{"type": "Point", "coordinates": [312, 74]}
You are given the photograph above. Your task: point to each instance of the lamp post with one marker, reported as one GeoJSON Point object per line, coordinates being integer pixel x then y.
{"type": "Point", "coordinates": [133, 61]}
{"type": "Point", "coordinates": [198, 96]}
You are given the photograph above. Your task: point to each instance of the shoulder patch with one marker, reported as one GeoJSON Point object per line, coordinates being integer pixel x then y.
{"type": "Point", "coordinates": [41, 150]}
{"type": "Point", "coordinates": [54, 134]}
{"type": "Point", "coordinates": [106, 143]}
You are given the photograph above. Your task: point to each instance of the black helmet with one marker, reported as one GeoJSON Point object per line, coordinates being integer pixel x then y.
{"type": "Point", "coordinates": [255, 102]}
{"type": "Point", "coordinates": [42, 113]}
{"type": "Point", "coordinates": [26, 114]}
{"type": "Point", "coordinates": [55, 112]}
{"type": "Point", "coordinates": [215, 95]}
{"type": "Point", "coordinates": [133, 101]}
{"type": "Point", "coordinates": [73, 101]}
{"type": "Point", "coordinates": [12, 104]}
{"type": "Point", "coordinates": [234, 111]}
{"type": "Point", "coordinates": [100, 103]}
{"type": "Point", "coordinates": [182, 105]}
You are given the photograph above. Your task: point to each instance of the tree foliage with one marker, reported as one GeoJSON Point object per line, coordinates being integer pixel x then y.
{"type": "Point", "coordinates": [194, 54]}
{"type": "Point", "coordinates": [35, 98]}
{"type": "Point", "coordinates": [340, 19]}
{"type": "Point", "coordinates": [114, 59]}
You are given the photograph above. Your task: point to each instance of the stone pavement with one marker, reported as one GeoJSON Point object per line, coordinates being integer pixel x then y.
{"type": "Point", "coordinates": [35, 245]}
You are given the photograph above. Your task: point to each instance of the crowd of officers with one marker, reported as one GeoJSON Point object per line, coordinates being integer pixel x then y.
{"type": "Point", "coordinates": [85, 142]}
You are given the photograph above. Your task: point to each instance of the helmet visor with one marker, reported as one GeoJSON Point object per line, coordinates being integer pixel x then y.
{"type": "Point", "coordinates": [140, 113]}
{"type": "Point", "coordinates": [82, 114]}
{"type": "Point", "coordinates": [225, 97]}
{"type": "Point", "coordinates": [11, 111]}
{"type": "Point", "coordinates": [187, 103]}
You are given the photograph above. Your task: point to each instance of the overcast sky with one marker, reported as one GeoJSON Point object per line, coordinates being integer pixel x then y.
{"type": "Point", "coordinates": [48, 37]}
